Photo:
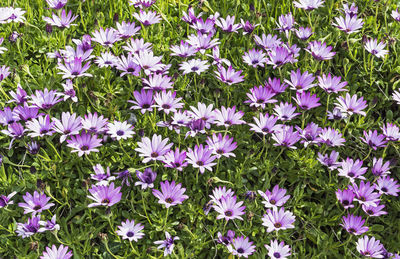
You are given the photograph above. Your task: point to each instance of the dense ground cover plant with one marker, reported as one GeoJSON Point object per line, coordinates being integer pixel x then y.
{"type": "Point", "coordinates": [211, 129]}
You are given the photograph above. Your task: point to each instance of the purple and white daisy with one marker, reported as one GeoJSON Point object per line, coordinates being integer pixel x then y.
{"type": "Point", "coordinates": [6, 200]}
{"type": "Point", "coordinates": [228, 117]}
{"type": "Point", "coordinates": [40, 127]}
{"type": "Point", "coordinates": [260, 96]}
{"type": "Point", "coordinates": [369, 247]}
{"type": "Point", "coordinates": [62, 252]}
{"type": "Point", "coordinates": [284, 136]}
{"type": "Point", "coordinates": [255, 58]}
{"type": "Point", "coordinates": [278, 219]}
{"type": "Point", "coordinates": [35, 203]}
{"type": "Point", "coordinates": [352, 169]}
{"type": "Point", "coordinates": [84, 143]}
{"type": "Point", "coordinates": [375, 48]}
{"type": "Point", "coordinates": [331, 84]}
{"type": "Point", "coordinates": [168, 243]}
{"type": "Point", "coordinates": [228, 208]}
{"type": "Point", "coordinates": [29, 228]}
{"type": "Point", "coordinates": [146, 179]}
{"type": "Point", "coordinates": [354, 224]}
{"type": "Point", "coordinates": [70, 124]}
{"type": "Point", "coordinates": [106, 37]}
{"type": "Point", "coordinates": [171, 194]}
{"type": "Point", "coordinates": [330, 161]}
{"type": "Point", "coordinates": [387, 186]}
{"type": "Point", "coordinates": [349, 24]}
{"type": "Point", "coordinates": [300, 82]}
{"type": "Point", "coordinates": [94, 123]}
{"type": "Point", "coordinates": [194, 66]}
{"type": "Point", "coordinates": [346, 198]}
{"type": "Point", "coordinates": [147, 18]}
{"type": "Point", "coordinates": [274, 199]}
{"type": "Point", "coordinates": [351, 105]}
{"type": "Point", "coordinates": [308, 5]}
{"type": "Point", "coordinates": [143, 101]}
{"type": "Point", "coordinates": [278, 250]}
{"type": "Point", "coordinates": [45, 99]}
{"type": "Point", "coordinates": [104, 195]}
{"type": "Point", "coordinates": [120, 130]}
{"type": "Point", "coordinates": [62, 21]}
{"type": "Point", "coordinates": [131, 231]}
{"type": "Point", "coordinates": [201, 157]}
{"type": "Point", "coordinates": [167, 101]}
{"type": "Point", "coordinates": [221, 146]}
{"type": "Point", "coordinates": [154, 149]}
{"type": "Point", "coordinates": [320, 51]}
{"type": "Point", "coordinates": [229, 76]}
{"type": "Point", "coordinates": [331, 137]}
{"type": "Point", "coordinates": [264, 124]}
{"type": "Point", "coordinates": [241, 246]}
{"type": "Point", "coordinates": [175, 159]}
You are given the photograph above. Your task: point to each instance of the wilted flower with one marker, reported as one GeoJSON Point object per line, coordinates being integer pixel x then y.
{"type": "Point", "coordinates": [146, 179]}
{"type": "Point", "coordinates": [29, 228]}
{"type": "Point", "coordinates": [5, 200]}
{"type": "Point", "coordinates": [329, 161]}
{"type": "Point", "coordinates": [168, 243]}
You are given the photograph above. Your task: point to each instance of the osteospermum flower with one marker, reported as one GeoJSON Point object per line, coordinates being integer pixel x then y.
{"type": "Point", "coordinates": [35, 203]}
{"type": "Point", "coordinates": [94, 123]}
{"type": "Point", "coordinates": [352, 169]}
{"type": "Point", "coordinates": [45, 99]}
{"type": "Point", "coordinates": [158, 82]}
{"type": "Point", "coordinates": [19, 96]}
{"type": "Point", "coordinates": [84, 143]}
{"type": "Point", "coordinates": [349, 24]}
{"type": "Point", "coordinates": [306, 101]}
{"type": "Point", "coordinates": [6, 200]}
{"type": "Point", "coordinates": [274, 199]}
{"type": "Point", "coordinates": [70, 124]}
{"type": "Point", "coordinates": [275, 85]}
{"type": "Point", "coordinates": [365, 193]}
{"type": "Point", "coordinates": [345, 197]}
{"type": "Point", "coordinates": [61, 252]}
{"type": "Point", "coordinates": [131, 231]}
{"type": "Point", "coordinates": [375, 48]}
{"type": "Point", "coordinates": [128, 65]}
{"type": "Point", "coordinates": [373, 139]}
{"type": "Point", "coordinates": [171, 194]}
{"type": "Point", "coordinates": [104, 195]}
{"type": "Point", "coordinates": [374, 210]}
{"type": "Point", "coordinates": [175, 159]}
{"type": "Point", "coordinates": [299, 81]}
{"type": "Point", "coordinates": [267, 42]}
{"type": "Point", "coordinates": [331, 84]}
{"type": "Point", "coordinates": [255, 58]}
{"type": "Point", "coordinates": [146, 179]}
{"type": "Point", "coordinates": [310, 134]}
{"type": "Point", "coordinates": [241, 246]}
{"type": "Point", "coordinates": [264, 124]}
{"type": "Point", "coordinates": [102, 177]}
{"type": "Point", "coordinates": [148, 62]}
{"type": "Point", "coordinates": [56, 4]}
{"type": "Point", "coordinates": [107, 59]}
{"type": "Point", "coordinates": [379, 168]}
{"type": "Point", "coordinates": [14, 130]}
{"type": "Point", "coordinates": [202, 42]}
{"type": "Point", "coordinates": [220, 192]}
{"type": "Point", "coordinates": [286, 23]}
{"type": "Point", "coordinates": [127, 29]}
{"type": "Point", "coordinates": [285, 111]}
{"type": "Point", "coordinates": [29, 228]}
{"type": "Point", "coordinates": [154, 149]}
{"type": "Point", "coordinates": [62, 21]}
{"type": "Point", "coordinates": [228, 208]}
{"type": "Point", "coordinates": [320, 51]}
{"type": "Point", "coordinates": [203, 112]}
{"type": "Point", "coordinates": [351, 104]}
{"type": "Point", "coordinates": [183, 50]}
{"type": "Point", "coordinates": [106, 37]}
{"type": "Point", "coordinates": [49, 225]}
{"type": "Point", "coordinates": [167, 101]}
{"type": "Point", "coordinates": [137, 45]}
{"type": "Point", "coordinates": [278, 219]}
{"type": "Point", "coordinates": [221, 146]}
{"type": "Point", "coordinates": [369, 247]}
{"type": "Point", "coordinates": [329, 160]}
{"type": "Point", "coordinates": [284, 136]}
{"type": "Point", "coordinates": [204, 26]}
{"type": "Point", "coordinates": [168, 243]}
{"type": "Point", "coordinates": [387, 185]}
{"type": "Point", "coordinates": [260, 96]}
{"type": "Point", "coordinates": [308, 4]}
{"type": "Point", "coordinates": [228, 24]}
{"type": "Point", "coordinates": [354, 224]}
{"type": "Point", "coordinates": [396, 14]}
{"type": "Point", "coordinates": [120, 130]}
{"type": "Point", "coordinates": [331, 137]}
{"type": "Point", "coordinates": [228, 117]}
{"type": "Point", "coordinates": [40, 127]}
{"type": "Point", "coordinates": [143, 101]}
{"type": "Point", "coordinates": [194, 66]}
{"type": "Point", "coordinates": [391, 131]}
{"type": "Point", "coordinates": [74, 68]}
{"type": "Point", "coordinates": [147, 17]}
{"type": "Point", "coordinates": [69, 91]}
{"type": "Point", "coordinates": [247, 26]}
{"type": "Point", "coordinates": [278, 250]}
{"type": "Point", "coordinates": [4, 72]}
{"type": "Point", "coordinates": [229, 76]}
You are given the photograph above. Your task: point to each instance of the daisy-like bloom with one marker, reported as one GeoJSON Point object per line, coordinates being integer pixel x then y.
{"type": "Point", "coordinates": [241, 246]}
{"type": "Point", "coordinates": [107, 59]}
{"type": "Point", "coordinates": [45, 99]}
{"type": "Point", "coordinates": [19, 96]}
{"type": "Point", "coordinates": [7, 116]}
{"type": "Point", "coordinates": [104, 195]}
{"type": "Point", "coordinates": [300, 82]}
{"type": "Point", "coordinates": [278, 219]}
{"type": "Point", "coordinates": [229, 76]}
{"type": "Point", "coordinates": [331, 137]}
{"type": "Point", "coordinates": [137, 45]}
{"type": "Point", "coordinates": [220, 192]}
{"type": "Point", "coordinates": [36, 203]}
{"type": "Point", "coordinates": [247, 26]}
{"type": "Point", "coordinates": [127, 29]}
{"type": "Point", "coordinates": [275, 85]}
{"type": "Point", "coordinates": [33, 147]}
{"type": "Point", "coordinates": [142, 3]}
{"type": "Point", "coordinates": [40, 127]}
{"type": "Point", "coordinates": [195, 126]}
{"type": "Point", "coordinates": [190, 17]}
{"type": "Point", "coordinates": [331, 84]}
{"type": "Point", "coordinates": [351, 10]}
{"type": "Point", "coordinates": [146, 179]}
{"type": "Point", "coordinates": [349, 24]}
{"type": "Point", "coordinates": [171, 194]}
{"type": "Point", "coordinates": [352, 169]}
{"type": "Point", "coordinates": [106, 37]}
{"type": "Point", "coordinates": [379, 168]}
{"type": "Point", "coordinates": [267, 42]}
{"type": "Point", "coordinates": [131, 231]}
{"type": "Point", "coordinates": [351, 105]}
{"type": "Point", "coordinates": [391, 132]}
{"type": "Point", "coordinates": [10, 14]}
{"type": "Point", "coordinates": [310, 134]}
{"type": "Point", "coordinates": [308, 5]}
{"type": "Point", "coordinates": [260, 96]}
{"type": "Point", "coordinates": [373, 139]}
{"type": "Point", "coordinates": [194, 66]}
{"type": "Point", "coordinates": [303, 33]}
{"type": "Point", "coordinates": [154, 149]}
{"type": "Point", "coordinates": [346, 198]}
{"type": "Point", "coordinates": [396, 15]}
{"type": "Point", "coordinates": [147, 18]}
{"type": "Point", "coordinates": [70, 124]}
{"type": "Point", "coordinates": [264, 124]}
{"type": "Point", "coordinates": [226, 240]}
{"type": "Point", "coordinates": [94, 123]}
{"type": "Point", "coordinates": [4, 72]}
{"type": "Point", "coordinates": [375, 210]}
{"type": "Point", "coordinates": [167, 101]}
{"type": "Point", "coordinates": [228, 208]}
{"type": "Point", "coordinates": [354, 224]}
{"type": "Point", "coordinates": [102, 177]}
{"type": "Point", "coordinates": [284, 136]}
{"type": "Point", "coordinates": [49, 225]}
{"type": "Point", "coordinates": [143, 101]}
{"type": "Point", "coordinates": [148, 62]}
{"type": "Point", "coordinates": [228, 117]}
{"type": "Point", "coordinates": [29, 228]}
{"type": "Point", "coordinates": [205, 27]}
{"type": "Point", "coordinates": [320, 51]}
{"type": "Point", "coordinates": [120, 130]}
{"type": "Point", "coordinates": [201, 157]}
{"type": "Point", "coordinates": [387, 185]}
{"type": "Point", "coordinates": [278, 250]}
{"type": "Point", "coordinates": [375, 48]}
{"type": "Point", "coordinates": [306, 101]}
{"type": "Point", "coordinates": [369, 247]}
{"type": "Point", "coordinates": [64, 21]}
{"type": "Point", "coordinates": [56, 4]}
{"type": "Point", "coordinates": [2, 49]}
{"type": "Point", "coordinates": [228, 24]}
{"type": "Point", "coordinates": [168, 243]}
{"type": "Point", "coordinates": [336, 114]}
{"type": "Point", "coordinates": [14, 130]}
{"type": "Point", "coordinates": [274, 199]}
{"type": "Point", "coordinates": [330, 161]}
{"type": "Point", "coordinates": [69, 91]}
{"type": "Point", "coordinates": [285, 111]}
{"type": "Point", "coordinates": [202, 42]}
{"type": "Point", "coordinates": [285, 23]}
{"type": "Point", "coordinates": [158, 82]}
{"type": "Point", "coordinates": [84, 143]}
{"type": "Point", "coordinates": [56, 253]}
{"type": "Point", "coordinates": [254, 58]}
{"type": "Point", "coordinates": [365, 193]}
{"type": "Point", "coordinates": [74, 68]}
{"type": "Point", "coordinates": [183, 50]}
{"type": "Point", "coordinates": [221, 146]}
{"type": "Point", "coordinates": [175, 159]}
{"type": "Point", "coordinates": [203, 112]}
{"type": "Point", "coordinates": [128, 65]}
{"type": "Point", "coordinates": [396, 96]}
{"type": "Point", "coordinates": [6, 200]}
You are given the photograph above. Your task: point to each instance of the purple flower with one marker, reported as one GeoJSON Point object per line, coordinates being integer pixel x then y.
{"type": "Point", "coordinates": [74, 68]}
{"type": "Point", "coordinates": [36, 203]}
{"type": "Point", "coordinates": [125, 177]}
{"type": "Point", "coordinates": [373, 139]}
{"type": "Point", "coordinates": [217, 60]}
{"type": "Point", "coordinates": [260, 96]}
{"type": "Point", "coordinates": [299, 81]}
{"type": "Point", "coordinates": [167, 101]}
{"type": "Point", "coordinates": [194, 65]}
{"type": "Point", "coordinates": [120, 130]}
{"type": "Point", "coordinates": [101, 176]}
{"type": "Point", "coordinates": [154, 149]}
{"type": "Point", "coordinates": [274, 199]}
{"type": "Point", "coordinates": [14, 130]}
{"type": "Point", "coordinates": [205, 27]}
{"type": "Point", "coordinates": [379, 168]}
{"type": "Point", "coordinates": [27, 112]}
{"type": "Point", "coordinates": [241, 246]}
{"type": "Point", "coordinates": [131, 231]}
{"type": "Point", "coordinates": [320, 51]}
{"type": "Point", "coordinates": [137, 45]}
{"type": "Point", "coordinates": [278, 219]}
{"type": "Point", "coordinates": [346, 198]}
{"type": "Point", "coordinates": [106, 37]}
{"type": "Point", "coordinates": [143, 101]}
{"type": "Point", "coordinates": [5, 200]}
{"type": "Point", "coordinates": [278, 56]}
{"type": "Point", "coordinates": [351, 105]}
{"type": "Point", "coordinates": [387, 185]}
{"type": "Point", "coordinates": [391, 131]}
{"type": "Point", "coordinates": [142, 3]}
{"type": "Point", "coordinates": [226, 240]}
{"type": "Point", "coordinates": [171, 194]}
{"type": "Point", "coordinates": [148, 62]}
{"type": "Point", "coordinates": [331, 84]}
{"type": "Point", "coordinates": [69, 91]}
{"type": "Point", "coordinates": [175, 159]}
{"type": "Point", "coordinates": [70, 124]}
{"type": "Point", "coordinates": [308, 5]}
{"type": "Point", "coordinates": [183, 50]}
{"type": "Point", "coordinates": [33, 147]}
{"type": "Point", "coordinates": [19, 96]}
{"type": "Point", "coordinates": [369, 247]}
{"type": "Point", "coordinates": [264, 124]}
{"type": "Point", "coordinates": [228, 208]}
{"type": "Point", "coordinates": [168, 243]}
{"type": "Point", "coordinates": [56, 4]}
{"type": "Point", "coordinates": [203, 112]}
{"type": "Point", "coordinates": [190, 17]}
{"type": "Point", "coordinates": [107, 59]}
{"type": "Point", "coordinates": [221, 146]}
{"type": "Point", "coordinates": [285, 137]}
{"type": "Point", "coordinates": [147, 18]}
{"type": "Point", "coordinates": [396, 14]}
{"type": "Point", "coordinates": [40, 127]}
{"type": "Point", "coordinates": [375, 48]}
{"type": "Point", "coordinates": [306, 101]}
{"type": "Point", "coordinates": [285, 23]}
{"type": "Point", "coordinates": [29, 228]}
{"type": "Point", "coordinates": [349, 24]}
{"type": "Point", "coordinates": [146, 179]}
{"type": "Point", "coordinates": [104, 195]}
{"type": "Point", "coordinates": [254, 58]}
{"type": "Point", "coordinates": [202, 42]}
{"type": "Point", "coordinates": [62, 21]}
{"type": "Point", "coordinates": [94, 123]}
{"type": "Point", "coordinates": [352, 10]}
{"type": "Point", "coordinates": [45, 99]}
{"type": "Point", "coordinates": [329, 161]}
{"type": "Point", "coordinates": [374, 210]}
{"type": "Point", "coordinates": [228, 24]}
{"type": "Point", "coordinates": [128, 65]}
{"type": "Point", "coordinates": [352, 169]}
{"type": "Point", "coordinates": [228, 117]}
{"type": "Point", "coordinates": [354, 224]}
{"type": "Point", "coordinates": [365, 193]}
{"type": "Point", "coordinates": [278, 250]}
{"type": "Point", "coordinates": [127, 29]}
{"type": "Point", "coordinates": [247, 26]}
{"type": "Point", "coordinates": [285, 111]}
{"type": "Point", "coordinates": [275, 85]}
{"type": "Point", "coordinates": [84, 143]}
{"type": "Point", "coordinates": [229, 76]}
{"type": "Point", "coordinates": [49, 225]}
{"type": "Point", "coordinates": [60, 253]}
{"type": "Point", "coordinates": [310, 134]}
{"type": "Point", "coordinates": [220, 192]}
{"type": "Point", "coordinates": [304, 33]}
{"type": "Point", "coordinates": [331, 137]}
{"type": "Point", "coordinates": [7, 116]}
{"type": "Point", "coordinates": [201, 157]}
{"type": "Point", "coordinates": [4, 72]}
{"type": "Point", "coordinates": [268, 42]}
{"type": "Point", "coordinates": [158, 82]}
